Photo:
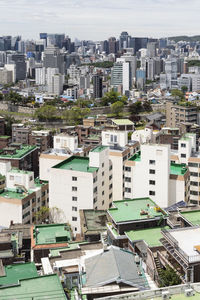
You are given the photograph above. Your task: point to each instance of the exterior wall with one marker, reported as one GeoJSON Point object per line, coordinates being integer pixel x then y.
{"type": "Point", "coordinates": [114, 137]}
{"type": "Point", "coordinates": [178, 189]}
{"type": "Point", "coordinates": [46, 162]}
{"type": "Point", "coordinates": [66, 141]}
{"type": "Point", "coordinates": [142, 136]}
{"type": "Point", "coordinates": [140, 177]}
{"type": "Point", "coordinates": [14, 207]}
{"type": "Point", "coordinates": [23, 179]}
{"type": "Point", "coordinates": [42, 142]}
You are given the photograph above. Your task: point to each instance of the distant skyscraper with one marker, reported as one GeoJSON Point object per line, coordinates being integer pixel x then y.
{"type": "Point", "coordinates": [124, 40]}
{"type": "Point", "coordinates": [54, 59]}
{"type": "Point", "coordinates": [19, 60]}
{"type": "Point", "coordinates": [56, 40]}
{"type": "Point", "coordinates": [151, 49]}
{"type": "Point", "coordinates": [121, 76]}
{"type": "Point", "coordinates": [97, 86]}
{"type": "Point", "coordinates": [112, 45]}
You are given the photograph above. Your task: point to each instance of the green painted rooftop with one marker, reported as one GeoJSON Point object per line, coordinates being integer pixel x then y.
{"type": "Point", "coordinates": [51, 234]}
{"type": "Point", "coordinates": [132, 210]}
{"type": "Point", "coordinates": [180, 297]}
{"type": "Point", "coordinates": [5, 137]}
{"type": "Point", "coordinates": [192, 216]}
{"type": "Point", "coordinates": [15, 170]}
{"type": "Point", "coordinates": [136, 157]}
{"type": "Point", "coordinates": [25, 149]}
{"type": "Point", "coordinates": [12, 194]}
{"type": "Point", "coordinates": [151, 236]}
{"type": "Point", "coordinates": [16, 272]}
{"type": "Point", "coordinates": [42, 287]}
{"type": "Point", "coordinates": [178, 169]}
{"type": "Point", "coordinates": [72, 246]}
{"type": "Point", "coordinates": [76, 163]}
{"type": "Point", "coordinates": [99, 149]}
{"type": "Point", "coordinates": [122, 122]}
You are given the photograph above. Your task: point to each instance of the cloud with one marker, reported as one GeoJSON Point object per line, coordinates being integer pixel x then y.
{"type": "Point", "coordinates": [94, 19]}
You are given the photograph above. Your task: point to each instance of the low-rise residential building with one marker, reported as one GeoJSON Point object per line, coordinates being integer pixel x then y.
{"type": "Point", "coordinates": [42, 139]}
{"type": "Point", "coordinates": [22, 197]}
{"type": "Point", "coordinates": [66, 141]}
{"type": "Point", "coordinates": [123, 124]}
{"type": "Point", "coordinates": [20, 133]}
{"type": "Point", "coordinates": [89, 184]}
{"type": "Point", "coordinates": [23, 157]}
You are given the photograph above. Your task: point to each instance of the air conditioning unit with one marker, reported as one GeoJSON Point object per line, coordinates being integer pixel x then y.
{"type": "Point", "coordinates": [165, 295]}
{"type": "Point", "coordinates": [189, 292]}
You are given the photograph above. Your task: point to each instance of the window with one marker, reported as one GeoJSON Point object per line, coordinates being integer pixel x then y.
{"type": "Point", "coordinates": [38, 199]}
{"type": "Point", "coordinates": [102, 183]}
{"type": "Point", "coordinates": [94, 179]}
{"type": "Point", "coordinates": [102, 173]}
{"type": "Point", "coordinates": [102, 165]}
{"type": "Point", "coordinates": [195, 174]}
{"type": "Point", "coordinates": [75, 228]}
{"type": "Point", "coordinates": [95, 190]}
{"type": "Point", "coordinates": [110, 168]}
{"type": "Point", "coordinates": [110, 186]}
{"type": "Point", "coordinates": [152, 182]}
{"type": "Point", "coordinates": [183, 145]}
{"type": "Point", "coordinates": [74, 178]}
{"type": "Point", "coordinates": [183, 155]}
{"type": "Point", "coordinates": [152, 162]}
{"type": "Point", "coordinates": [11, 177]}
{"type": "Point", "coordinates": [110, 177]}
{"type": "Point", "coordinates": [26, 215]}
{"type": "Point", "coordinates": [31, 178]}
{"type": "Point", "coordinates": [127, 190]}
{"type": "Point", "coordinates": [152, 171]}
{"type": "Point", "coordinates": [194, 183]}
{"type": "Point", "coordinates": [74, 208]}
{"type": "Point", "coordinates": [26, 205]}
{"type": "Point", "coordinates": [152, 193]}
{"type": "Point", "coordinates": [74, 188]}
{"type": "Point", "coordinates": [194, 193]}
{"type": "Point", "coordinates": [128, 169]}
{"type": "Point", "coordinates": [193, 165]}
{"type": "Point", "coordinates": [74, 218]}
{"type": "Point", "coordinates": [95, 200]}
{"type": "Point", "coordinates": [103, 202]}
{"type": "Point", "coordinates": [33, 200]}
{"type": "Point", "coordinates": [102, 193]}
{"type": "Point", "coordinates": [110, 196]}
{"type": "Point", "coordinates": [127, 179]}
{"type": "Point", "coordinates": [74, 198]}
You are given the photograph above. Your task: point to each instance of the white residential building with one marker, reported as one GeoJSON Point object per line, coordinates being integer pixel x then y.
{"type": "Point", "coordinates": [151, 173]}
{"type": "Point", "coordinates": [112, 137]}
{"type": "Point", "coordinates": [81, 183]}
{"type": "Point", "coordinates": [65, 141]}
{"type": "Point", "coordinates": [40, 76]}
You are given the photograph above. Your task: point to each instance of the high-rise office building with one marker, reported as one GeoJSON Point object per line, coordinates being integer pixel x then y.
{"type": "Point", "coordinates": [120, 76]}
{"type": "Point", "coordinates": [20, 63]}
{"type": "Point", "coordinates": [53, 58]}
{"type": "Point", "coordinates": [124, 40]}
{"type": "Point", "coordinates": [112, 45]}
{"type": "Point", "coordinates": [151, 49]}
{"type": "Point", "coordinates": [97, 86]}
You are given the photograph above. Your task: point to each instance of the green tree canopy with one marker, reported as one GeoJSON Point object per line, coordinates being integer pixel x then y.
{"type": "Point", "coordinates": [117, 108]}
{"type": "Point", "coordinates": [169, 277]}
{"type": "Point", "coordinates": [177, 94]}
{"type": "Point", "coordinates": [46, 113]}
{"type": "Point", "coordinates": [75, 115]}
{"type": "Point", "coordinates": [112, 97]}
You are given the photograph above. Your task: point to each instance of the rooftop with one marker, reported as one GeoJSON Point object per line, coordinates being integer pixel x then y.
{"type": "Point", "coordinates": [51, 234]}
{"type": "Point", "coordinates": [178, 169]}
{"type": "Point", "coordinates": [42, 287]}
{"type": "Point", "coordinates": [16, 272]}
{"type": "Point", "coordinates": [24, 150]}
{"type": "Point", "coordinates": [151, 236]}
{"type": "Point", "coordinates": [94, 220]}
{"type": "Point", "coordinates": [71, 246]}
{"type": "Point", "coordinates": [136, 157]}
{"type": "Point", "coordinates": [13, 194]}
{"type": "Point", "coordinates": [76, 163]}
{"type": "Point", "coordinates": [99, 149]}
{"type": "Point", "coordinates": [192, 216]}
{"type": "Point", "coordinates": [135, 210]}
{"type": "Point", "coordinates": [5, 137]}
{"type": "Point", "coordinates": [122, 122]}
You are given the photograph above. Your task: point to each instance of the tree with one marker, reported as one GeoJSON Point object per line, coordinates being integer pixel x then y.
{"type": "Point", "coordinates": [177, 94]}
{"type": "Point", "coordinates": [42, 216]}
{"type": "Point", "coordinates": [135, 108]}
{"type": "Point", "coordinates": [184, 89]}
{"type": "Point", "coordinates": [75, 115]}
{"type": "Point", "coordinates": [50, 215]}
{"type": "Point", "coordinates": [147, 106]}
{"type": "Point", "coordinates": [110, 97]}
{"type": "Point", "coordinates": [117, 108]}
{"type": "Point", "coordinates": [9, 120]}
{"type": "Point", "coordinates": [169, 277]}
{"type": "Point", "coordinates": [46, 113]}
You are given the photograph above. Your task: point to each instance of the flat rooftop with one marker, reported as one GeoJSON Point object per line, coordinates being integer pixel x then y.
{"type": "Point", "coordinates": [24, 150]}
{"type": "Point", "coordinates": [192, 216]}
{"type": "Point", "coordinates": [178, 169]}
{"type": "Point", "coordinates": [42, 287]}
{"type": "Point", "coordinates": [13, 194]}
{"type": "Point", "coordinates": [72, 246]}
{"type": "Point", "coordinates": [99, 148]}
{"type": "Point", "coordinates": [187, 238]}
{"type": "Point", "coordinates": [122, 122]}
{"type": "Point", "coordinates": [16, 272]}
{"type": "Point", "coordinates": [94, 220]}
{"type": "Point", "coordinates": [151, 236]}
{"type": "Point", "coordinates": [51, 234]}
{"type": "Point", "coordinates": [180, 297]}
{"type": "Point", "coordinates": [135, 210]}
{"type": "Point", "coordinates": [76, 163]}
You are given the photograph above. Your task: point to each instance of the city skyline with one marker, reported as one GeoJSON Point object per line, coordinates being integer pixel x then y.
{"type": "Point", "coordinates": [99, 20]}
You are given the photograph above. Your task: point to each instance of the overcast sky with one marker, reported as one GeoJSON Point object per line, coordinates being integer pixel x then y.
{"type": "Point", "coordinates": [99, 19]}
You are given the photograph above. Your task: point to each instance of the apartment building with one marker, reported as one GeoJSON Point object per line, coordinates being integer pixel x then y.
{"type": "Point", "coordinates": [42, 139]}
{"type": "Point", "coordinates": [176, 114]}
{"type": "Point", "coordinates": [66, 141]}
{"type": "Point", "coordinates": [20, 133]}
{"type": "Point", "coordinates": [81, 183]}
{"type": "Point", "coordinates": [150, 172]}
{"type": "Point", "coordinates": [22, 197]}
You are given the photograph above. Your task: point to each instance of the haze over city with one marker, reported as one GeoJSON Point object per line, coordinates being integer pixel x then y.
{"type": "Point", "coordinates": [96, 20]}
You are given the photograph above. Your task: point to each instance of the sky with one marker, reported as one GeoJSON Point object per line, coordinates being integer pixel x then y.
{"type": "Point", "coordinates": [99, 19]}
